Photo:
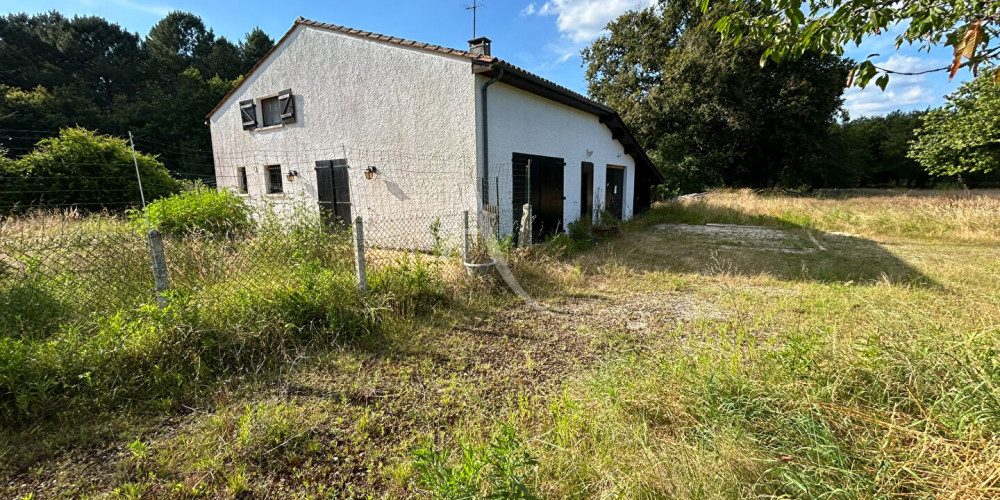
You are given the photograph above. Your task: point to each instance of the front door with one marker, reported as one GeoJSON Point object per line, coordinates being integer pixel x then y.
{"type": "Point", "coordinates": [333, 192]}
{"type": "Point", "coordinates": [614, 190]}
{"type": "Point", "coordinates": [544, 190]}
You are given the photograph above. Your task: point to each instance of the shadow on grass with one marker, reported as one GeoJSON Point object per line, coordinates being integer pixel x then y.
{"type": "Point", "coordinates": [702, 238]}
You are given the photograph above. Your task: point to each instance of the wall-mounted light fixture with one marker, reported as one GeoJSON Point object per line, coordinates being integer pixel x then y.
{"type": "Point", "coordinates": [590, 152]}
{"type": "Point", "coordinates": [292, 174]}
{"type": "Point", "coordinates": [370, 173]}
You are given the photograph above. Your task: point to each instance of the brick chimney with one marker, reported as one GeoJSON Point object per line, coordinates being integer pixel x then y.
{"type": "Point", "coordinates": [480, 46]}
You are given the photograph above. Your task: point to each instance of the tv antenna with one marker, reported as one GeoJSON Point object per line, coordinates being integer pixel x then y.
{"type": "Point", "coordinates": [474, 7]}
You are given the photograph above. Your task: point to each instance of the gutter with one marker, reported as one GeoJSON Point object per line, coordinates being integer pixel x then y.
{"type": "Point", "coordinates": [486, 138]}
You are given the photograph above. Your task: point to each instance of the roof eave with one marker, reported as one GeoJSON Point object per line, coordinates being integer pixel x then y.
{"type": "Point", "coordinates": [521, 79]}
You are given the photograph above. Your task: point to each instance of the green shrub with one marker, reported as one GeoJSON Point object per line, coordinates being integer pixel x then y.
{"type": "Point", "coordinates": [80, 167]}
{"type": "Point", "coordinates": [199, 209]}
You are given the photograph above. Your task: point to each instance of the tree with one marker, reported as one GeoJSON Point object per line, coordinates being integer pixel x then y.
{"type": "Point", "coordinates": [964, 135]}
{"type": "Point", "coordinates": [706, 110]}
{"type": "Point", "coordinates": [22, 112]}
{"type": "Point", "coordinates": [103, 58]}
{"type": "Point", "coordinates": [179, 41]}
{"type": "Point", "coordinates": [792, 28]}
{"type": "Point", "coordinates": [84, 169]}
{"type": "Point", "coordinates": [57, 72]}
{"type": "Point", "coordinates": [225, 61]}
{"type": "Point", "coordinates": [255, 47]}
{"type": "Point", "coordinates": [872, 151]}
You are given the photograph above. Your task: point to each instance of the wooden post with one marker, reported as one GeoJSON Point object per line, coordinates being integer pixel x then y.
{"type": "Point", "coordinates": [359, 256]}
{"type": "Point", "coordinates": [465, 239]}
{"type": "Point", "coordinates": [160, 281]}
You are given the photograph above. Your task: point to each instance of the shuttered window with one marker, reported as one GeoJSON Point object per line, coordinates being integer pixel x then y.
{"type": "Point", "coordinates": [270, 111]}
{"type": "Point", "coordinates": [274, 184]}
{"type": "Point", "coordinates": [274, 111]}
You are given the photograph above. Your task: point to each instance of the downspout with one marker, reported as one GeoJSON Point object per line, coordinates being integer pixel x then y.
{"type": "Point", "coordinates": [486, 138]}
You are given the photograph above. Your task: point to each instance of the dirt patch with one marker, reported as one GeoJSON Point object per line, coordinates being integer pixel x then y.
{"type": "Point", "coordinates": [757, 238]}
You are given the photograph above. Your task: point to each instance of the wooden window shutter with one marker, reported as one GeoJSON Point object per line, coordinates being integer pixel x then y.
{"type": "Point", "coordinates": [248, 111]}
{"type": "Point", "coordinates": [286, 103]}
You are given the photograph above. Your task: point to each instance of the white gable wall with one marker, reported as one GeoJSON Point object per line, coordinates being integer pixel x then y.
{"type": "Point", "coordinates": [522, 122]}
{"type": "Point", "coordinates": [408, 112]}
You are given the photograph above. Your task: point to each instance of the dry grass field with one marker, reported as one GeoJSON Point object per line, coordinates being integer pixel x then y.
{"type": "Point", "coordinates": [845, 348]}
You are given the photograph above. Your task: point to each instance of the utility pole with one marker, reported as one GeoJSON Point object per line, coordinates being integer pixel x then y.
{"type": "Point", "coordinates": [474, 7]}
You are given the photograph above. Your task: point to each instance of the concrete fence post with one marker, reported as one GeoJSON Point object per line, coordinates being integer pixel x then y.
{"type": "Point", "coordinates": [359, 256]}
{"type": "Point", "coordinates": [160, 281]}
{"type": "Point", "coordinates": [465, 239]}
{"type": "Point", "coordinates": [524, 239]}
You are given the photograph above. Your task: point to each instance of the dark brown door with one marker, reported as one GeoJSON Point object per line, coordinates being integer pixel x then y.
{"type": "Point", "coordinates": [333, 192]}
{"type": "Point", "coordinates": [544, 192]}
{"type": "Point", "coordinates": [614, 190]}
{"type": "Point", "coordinates": [587, 191]}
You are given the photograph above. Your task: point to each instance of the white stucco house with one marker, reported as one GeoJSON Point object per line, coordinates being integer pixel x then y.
{"type": "Point", "coordinates": [353, 123]}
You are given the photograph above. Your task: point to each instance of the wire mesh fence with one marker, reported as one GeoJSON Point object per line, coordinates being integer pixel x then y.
{"type": "Point", "coordinates": [61, 266]}
{"type": "Point", "coordinates": [79, 244]}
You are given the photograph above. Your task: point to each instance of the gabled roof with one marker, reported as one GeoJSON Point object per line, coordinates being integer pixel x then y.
{"type": "Point", "coordinates": [489, 66]}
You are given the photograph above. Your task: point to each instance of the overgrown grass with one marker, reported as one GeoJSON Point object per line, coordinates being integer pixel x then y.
{"type": "Point", "coordinates": [970, 216]}
{"type": "Point", "coordinates": [808, 389]}
{"type": "Point", "coordinates": [665, 366]}
{"type": "Point", "coordinates": [237, 305]}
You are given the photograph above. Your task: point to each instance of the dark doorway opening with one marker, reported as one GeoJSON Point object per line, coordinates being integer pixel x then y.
{"type": "Point", "coordinates": [543, 188]}
{"type": "Point", "coordinates": [587, 191]}
{"type": "Point", "coordinates": [614, 190]}
{"type": "Point", "coordinates": [642, 189]}
{"type": "Point", "coordinates": [334, 193]}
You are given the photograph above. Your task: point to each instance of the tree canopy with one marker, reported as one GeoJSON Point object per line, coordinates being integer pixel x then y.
{"type": "Point", "coordinates": [707, 112]}
{"type": "Point", "coordinates": [792, 28]}
{"type": "Point", "coordinates": [963, 136]}
{"type": "Point", "coordinates": [57, 72]}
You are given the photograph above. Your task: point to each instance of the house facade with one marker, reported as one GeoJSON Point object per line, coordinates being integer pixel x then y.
{"type": "Point", "coordinates": [353, 123]}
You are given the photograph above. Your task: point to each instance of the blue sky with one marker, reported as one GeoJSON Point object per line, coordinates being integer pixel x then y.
{"type": "Point", "coordinates": [543, 36]}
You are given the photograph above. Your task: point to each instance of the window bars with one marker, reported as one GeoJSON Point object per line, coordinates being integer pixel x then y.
{"type": "Point", "coordinates": [274, 182]}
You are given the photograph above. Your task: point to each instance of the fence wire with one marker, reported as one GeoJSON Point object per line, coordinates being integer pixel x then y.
{"type": "Point", "coordinates": [75, 246]}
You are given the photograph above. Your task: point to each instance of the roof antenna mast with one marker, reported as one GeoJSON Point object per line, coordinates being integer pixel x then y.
{"type": "Point", "coordinates": [474, 7]}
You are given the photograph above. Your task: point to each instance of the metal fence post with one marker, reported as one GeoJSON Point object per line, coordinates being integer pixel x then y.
{"type": "Point", "coordinates": [359, 256]}
{"type": "Point", "coordinates": [465, 239]}
{"type": "Point", "coordinates": [159, 267]}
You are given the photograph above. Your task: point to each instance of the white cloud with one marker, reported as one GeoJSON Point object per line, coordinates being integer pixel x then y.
{"type": "Point", "coordinates": [583, 20]}
{"type": "Point", "coordinates": [906, 92]}
{"type": "Point", "coordinates": [528, 10]}
{"type": "Point", "coordinates": [159, 10]}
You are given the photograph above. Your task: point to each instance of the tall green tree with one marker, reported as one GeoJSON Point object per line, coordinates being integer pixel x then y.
{"type": "Point", "coordinates": [963, 136]}
{"type": "Point", "coordinates": [225, 61]}
{"type": "Point", "coordinates": [254, 47]}
{"type": "Point", "coordinates": [873, 151]}
{"type": "Point", "coordinates": [708, 112]}
{"type": "Point", "coordinates": [180, 40]}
